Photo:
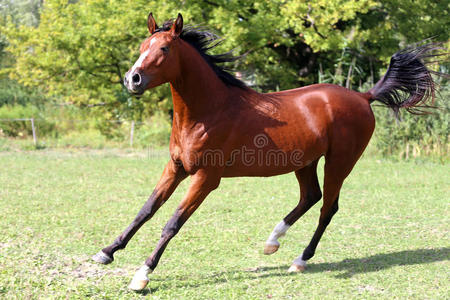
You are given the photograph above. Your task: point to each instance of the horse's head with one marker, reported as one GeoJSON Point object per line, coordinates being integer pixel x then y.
{"type": "Point", "coordinates": [157, 62]}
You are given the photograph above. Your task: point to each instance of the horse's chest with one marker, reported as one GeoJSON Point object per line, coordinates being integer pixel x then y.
{"type": "Point", "coordinates": [189, 145]}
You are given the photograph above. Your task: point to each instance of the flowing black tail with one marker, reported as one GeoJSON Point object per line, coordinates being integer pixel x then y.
{"type": "Point", "coordinates": [408, 83]}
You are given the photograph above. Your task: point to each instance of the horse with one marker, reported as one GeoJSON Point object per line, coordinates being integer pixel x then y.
{"type": "Point", "coordinates": [223, 128]}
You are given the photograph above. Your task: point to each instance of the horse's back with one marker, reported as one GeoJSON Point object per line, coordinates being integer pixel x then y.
{"type": "Point", "coordinates": [335, 105]}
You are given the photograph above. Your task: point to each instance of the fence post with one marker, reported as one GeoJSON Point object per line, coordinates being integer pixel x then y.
{"type": "Point", "coordinates": [132, 134]}
{"type": "Point", "coordinates": [34, 131]}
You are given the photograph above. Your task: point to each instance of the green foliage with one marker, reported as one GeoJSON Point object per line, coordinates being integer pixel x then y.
{"type": "Point", "coordinates": [24, 12]}
{"type": "Point", "coordinates": [77, 52]}
{"type": "Point", "coordinates": [19, 12]}
{"type": "Point", "coordinates": [67, 126]}
{"type": "Point", "coordinates": [83, 138]}
{"type": "Point", "coordinates": [13, 93]}
{"type": "Point", "coordinates": [81, 50]}
{"type": "Point", "coordinates": [156, 132]}
{"type": "Point", "coordinates": [24, 128]}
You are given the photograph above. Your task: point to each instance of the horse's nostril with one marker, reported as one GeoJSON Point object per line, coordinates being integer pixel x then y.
{"type": "Point", "coordinates": [136, 79]}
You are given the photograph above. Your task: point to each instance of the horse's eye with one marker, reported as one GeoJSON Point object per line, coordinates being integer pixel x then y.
{"type": "Point", "coordinates": [165, 49]}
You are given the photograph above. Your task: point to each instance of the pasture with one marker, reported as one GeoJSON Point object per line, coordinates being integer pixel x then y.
{"type": "Point", "coordinates": [390, 238]}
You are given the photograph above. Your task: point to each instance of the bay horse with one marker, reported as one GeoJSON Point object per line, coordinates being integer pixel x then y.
{"type": "Point", "coordinates": [223, 128]}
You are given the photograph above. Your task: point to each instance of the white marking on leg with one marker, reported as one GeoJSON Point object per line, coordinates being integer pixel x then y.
{"type": "Point", "coordinates": [277, 232]}
{"type": "Point", "coordinates": [102, 258]}
{"type": "Point", "coordinates": [299, 261]}
{"type": "Point", "coordinates": [140, 278]}
{"type": "Point", "coordinates": [298, 265]}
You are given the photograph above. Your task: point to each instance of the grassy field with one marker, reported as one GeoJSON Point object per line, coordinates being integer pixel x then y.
{"type": "Point", "coordinates": [390, 238]}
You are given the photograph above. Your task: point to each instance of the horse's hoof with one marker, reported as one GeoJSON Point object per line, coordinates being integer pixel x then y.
{"type": "Point", "coordinates": [296, 268]}
{"type": "Point", "coordinates": [138, 285]}
{"type": "Point", "coordinates": [102, 258]}
{"type": "Point", "coordinates": [140, 279]}
{"type": "Point", "coordinates": [270, 249]}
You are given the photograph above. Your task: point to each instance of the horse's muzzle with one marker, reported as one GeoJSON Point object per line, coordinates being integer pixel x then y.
{"type": "Point", "coordinates": [135, 82]}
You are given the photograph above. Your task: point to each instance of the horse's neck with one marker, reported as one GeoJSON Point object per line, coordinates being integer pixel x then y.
{"type": "Point", "coordinates": [198, 91]}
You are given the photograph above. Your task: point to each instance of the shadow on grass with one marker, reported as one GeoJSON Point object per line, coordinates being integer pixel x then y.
{"type": "Point", "coordinates": [382, 261]}
{"type": "Point", "coordinates": [347, 267]}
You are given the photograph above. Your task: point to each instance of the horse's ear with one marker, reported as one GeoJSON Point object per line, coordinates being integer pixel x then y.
{"type": "Point", "coordinates": [177, 26]}
{"type": "Point", "coordinates": [151, 23]}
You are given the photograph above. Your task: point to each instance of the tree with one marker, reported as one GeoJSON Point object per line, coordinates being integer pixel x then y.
{"type": "Point", "coordinates": [79, 53]}
{"type": "Point", "coordinates": [80, 50]}
{"type": "Point", "coordinates": [24, 12]}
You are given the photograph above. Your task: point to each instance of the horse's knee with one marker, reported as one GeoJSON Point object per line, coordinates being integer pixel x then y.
{"type": "Point", "coordinates": [171, 229]}
{"type": "Point", "coordinates": [314, 197]}
{"type": "Point", "coordinates": [325, 217]}
{"type": "Point", "coordinates": [148, 208]}
{"type": "Point", "coordinates": [334, 208]}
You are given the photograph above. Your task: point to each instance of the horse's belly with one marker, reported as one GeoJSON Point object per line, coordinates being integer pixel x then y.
{"type": "Point", "coordinates": [256, 171]}
{"type": "Point", "coordinates": [271, 162]}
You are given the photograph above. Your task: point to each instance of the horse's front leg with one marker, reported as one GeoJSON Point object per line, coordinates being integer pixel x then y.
{"type": "Point", "coordinates": [202, 184]}
{"type": "Point", "coordinates": [173, 174]}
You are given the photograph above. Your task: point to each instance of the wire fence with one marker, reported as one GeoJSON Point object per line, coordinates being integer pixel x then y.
{"type": "Point", "coordinates": [35, 132]}
{"type": "Point", "coordinates": [33, 128]}
{"type": "Point", "coordinates": [133, 135]}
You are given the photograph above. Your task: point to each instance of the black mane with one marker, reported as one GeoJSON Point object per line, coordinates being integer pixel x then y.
{"type": "Point", "coordinates": [203, 41]}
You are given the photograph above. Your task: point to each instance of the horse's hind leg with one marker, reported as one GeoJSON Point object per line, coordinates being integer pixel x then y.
{"type": "Point", "coordinates": [337, 169]}
{"type": "Point", "coordinates": [310, 194]}
{"type": "Point", "coordinates": [172, 175]}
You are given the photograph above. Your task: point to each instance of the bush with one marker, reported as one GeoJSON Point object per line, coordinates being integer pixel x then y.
{"type": "Point", "coordinates": [23, 128]}
{"type": "Point", "coordinates": [155, 132]}
{"type": "Point", "coordinates": [12, 93]}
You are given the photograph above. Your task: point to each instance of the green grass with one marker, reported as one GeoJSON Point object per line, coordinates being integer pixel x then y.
{"type": "Point", "coordinates": [390, 238]}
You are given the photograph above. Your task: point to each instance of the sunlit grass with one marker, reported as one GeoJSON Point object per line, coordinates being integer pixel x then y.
{"type": "Point", "coordinates": [390, 238]}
